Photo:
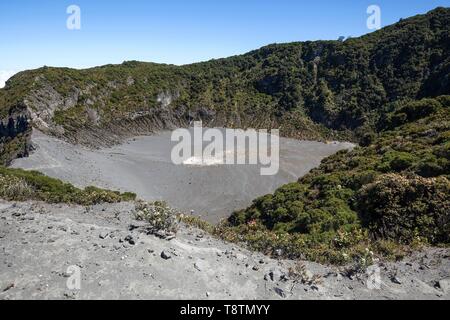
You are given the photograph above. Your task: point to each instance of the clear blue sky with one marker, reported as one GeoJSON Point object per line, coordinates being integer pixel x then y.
{"type": "Point", "coordinates": [33, 33]}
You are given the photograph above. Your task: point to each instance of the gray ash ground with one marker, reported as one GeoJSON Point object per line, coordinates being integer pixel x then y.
{"type": "Point", "coordinates": [39, 242]}
{"type": "Point", "coordinates": [143, 165]}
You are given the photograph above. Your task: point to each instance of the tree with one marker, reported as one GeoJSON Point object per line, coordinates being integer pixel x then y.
{"type": "Point", "coordinates": [11, 130]}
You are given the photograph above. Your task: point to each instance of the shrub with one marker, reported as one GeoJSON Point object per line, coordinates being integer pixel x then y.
{"type": "Point", "coordinates": [396, 161]}
{"type": "Point", "coordinates": [196, 222]}
{"type": "Point", "coordinates": [93, 195]}
{"type": "Point", "coordinates": [367, 139]}
{"type": "Point", "coordinates": [159, 215]}
{"type": "Point", "coordinates": [429, 167]}
{"type": "Point", "coordinates": [20, 185]}
{"type": "Point", "coordinates": [408, 112]}
{"type": "Point", "coordinates": [444, 101]}
{"type": "Point", "coordinates": [13, 188]}
{"type": "Point", "coordinates": [401, 208]}
{"type": "Point", "coordinates": [420, 109]}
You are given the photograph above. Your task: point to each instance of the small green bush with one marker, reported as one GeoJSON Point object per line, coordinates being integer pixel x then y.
{"type": "Point", "coordinates": [159, 215]}
{"type": "Point", "coordinates": [32, 185]}
{"type": "Point", "coordinates": [396, 161]}
{"type": "Point", "coordinates": [14, 188]}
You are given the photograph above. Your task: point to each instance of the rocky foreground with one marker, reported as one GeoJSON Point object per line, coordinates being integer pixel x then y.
{"type": "Point", "coordinates": [44, 246]}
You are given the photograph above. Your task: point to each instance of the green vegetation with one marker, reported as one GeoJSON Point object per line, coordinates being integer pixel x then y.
{"type": "Point", "coordinates": [159, 215]}
{"type": "Point", "coordinates": [12, 148]}
{"type": "Point", "coordinates": [387, 90]}
{"type": "Point", "coordinates": [20, 185]}
{"type": "Point", "coordinates": [394, 191]}
{"type": "Point", "coordinates": [316, 90]}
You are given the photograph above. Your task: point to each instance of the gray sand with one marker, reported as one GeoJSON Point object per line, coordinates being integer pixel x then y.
{"type": "Point", "coordinates": [143, 165]}
{"type": "Point", "coordinates": [38, 243]}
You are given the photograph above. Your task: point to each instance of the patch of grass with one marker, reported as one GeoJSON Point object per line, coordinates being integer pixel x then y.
{"type": "Point", "coordinates": [198, 223]}
{"type": "Point", "coordinates": [14, 188]}
{"type": "Point", "coordinates": [21, 185]}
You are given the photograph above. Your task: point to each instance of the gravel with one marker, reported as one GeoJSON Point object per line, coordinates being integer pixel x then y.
{"type": "Point", "coordinates": [31, 267]}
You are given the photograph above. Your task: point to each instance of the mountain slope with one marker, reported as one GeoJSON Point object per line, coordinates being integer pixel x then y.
{"type": "Point", "coordinates": [316, 90]}
{"type": "Point", "coordinates": [393, 191]}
